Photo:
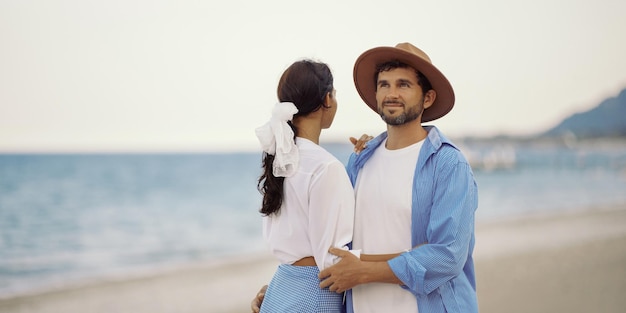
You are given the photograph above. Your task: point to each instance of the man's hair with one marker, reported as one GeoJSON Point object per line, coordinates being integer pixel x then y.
{"type": "Point", "coordinates": [392, 65]}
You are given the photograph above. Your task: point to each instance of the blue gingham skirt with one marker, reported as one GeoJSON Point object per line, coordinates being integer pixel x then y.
{"type": "Point", "coordinates": [296, 289]}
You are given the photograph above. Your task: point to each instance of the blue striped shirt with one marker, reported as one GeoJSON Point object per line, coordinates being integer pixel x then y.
{"type": "Point", "coordinates": [441, 273]}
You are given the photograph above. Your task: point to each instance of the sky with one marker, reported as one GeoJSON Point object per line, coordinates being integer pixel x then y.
{"type": "Point", "coordinates": [197, 76]}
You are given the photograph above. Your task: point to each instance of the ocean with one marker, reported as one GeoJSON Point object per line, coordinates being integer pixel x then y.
{"type": "Point", "coordinates": [68, 219]}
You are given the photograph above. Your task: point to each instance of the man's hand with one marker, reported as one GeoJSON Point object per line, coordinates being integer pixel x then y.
{"type": "Point", "coordinates": [352, 271]}
{"type": "Point", "coordinates": [256, 302]}
{"type": "Point", "coordinates": [361, 143]}
{"type": "Point", "coordinates": [344, 275]}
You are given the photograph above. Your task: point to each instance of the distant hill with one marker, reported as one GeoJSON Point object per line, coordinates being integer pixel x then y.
{"type": "Point", "coordinates": [608, 119]}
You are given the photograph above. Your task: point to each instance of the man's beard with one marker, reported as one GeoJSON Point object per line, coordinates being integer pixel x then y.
{"type": "Point", "coordinates": [408, 115]}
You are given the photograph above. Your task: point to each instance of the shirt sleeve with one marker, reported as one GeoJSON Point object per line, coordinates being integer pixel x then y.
{"type": "Point", "coordinates": [331, 212]}
{"type": "Point", "coordinates": [450, 232]}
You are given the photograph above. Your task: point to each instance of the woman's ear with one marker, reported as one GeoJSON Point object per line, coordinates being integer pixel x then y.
{"type": "Point", "coordinates": [328, 100]}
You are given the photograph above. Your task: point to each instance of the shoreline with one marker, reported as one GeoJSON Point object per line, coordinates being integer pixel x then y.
{"type": "Point", "coordinates": [572, 261]}
{"type": "Point", "coordinates": [140, 274]}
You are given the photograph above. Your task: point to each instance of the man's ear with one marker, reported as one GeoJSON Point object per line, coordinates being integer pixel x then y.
{"type": "Point", "coordinates": [429, 98]}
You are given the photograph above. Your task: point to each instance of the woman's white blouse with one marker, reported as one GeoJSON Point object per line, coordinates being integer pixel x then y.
{"type": "Point", "coordinates": [317, 210]}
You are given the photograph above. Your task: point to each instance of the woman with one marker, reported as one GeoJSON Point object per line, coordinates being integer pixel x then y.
{"type": "Point", "coordinates": [308, 201]}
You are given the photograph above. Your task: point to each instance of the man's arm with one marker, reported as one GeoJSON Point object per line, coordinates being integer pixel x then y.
{"type": "Point", "coordinates": [352, 271]}
{"type": "Point", "coordinates": [450, 233]}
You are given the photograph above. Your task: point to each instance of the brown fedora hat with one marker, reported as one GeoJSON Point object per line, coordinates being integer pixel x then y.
{"type": "Point", "coordinates": [365, 68]}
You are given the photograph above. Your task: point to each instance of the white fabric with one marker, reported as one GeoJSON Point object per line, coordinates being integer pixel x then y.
{"type": "Point", "coordinates": [383, 199]}
{"type": "Point", "coordinates": [276, 138]}
{"type": "Point", "coordinates": [317, 210]}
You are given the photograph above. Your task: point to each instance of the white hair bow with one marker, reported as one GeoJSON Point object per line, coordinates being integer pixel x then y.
{"type": "Point", "coordinates": [276, 138]}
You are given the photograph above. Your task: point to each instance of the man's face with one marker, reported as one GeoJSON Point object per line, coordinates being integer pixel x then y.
{"type": "Point", "coordinates": [399, 96]}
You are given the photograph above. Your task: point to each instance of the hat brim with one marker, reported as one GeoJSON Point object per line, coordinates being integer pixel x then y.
{"type": "Point", "coordinates": [365, 68]}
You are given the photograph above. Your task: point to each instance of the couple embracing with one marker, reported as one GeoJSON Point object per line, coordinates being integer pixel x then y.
{"type": "Point", "coordinates": [399, 217]}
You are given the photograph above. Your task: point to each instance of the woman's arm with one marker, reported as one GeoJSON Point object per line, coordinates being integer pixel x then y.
{"type": "Point", "coordinates": [361, 143]}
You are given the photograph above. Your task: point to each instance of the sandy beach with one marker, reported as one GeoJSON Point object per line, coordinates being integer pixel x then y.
{"type": "Point", "coordinates": [570, 262]}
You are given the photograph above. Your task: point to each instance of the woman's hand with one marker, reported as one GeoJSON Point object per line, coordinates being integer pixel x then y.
{"type": "Point", "coordinates": [255, 305]}
{"type": "Point", "coordinates": [361, 143]}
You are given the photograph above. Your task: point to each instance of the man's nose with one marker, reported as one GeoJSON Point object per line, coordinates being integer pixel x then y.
{"type": "Point", "coordinates": [393, 92]}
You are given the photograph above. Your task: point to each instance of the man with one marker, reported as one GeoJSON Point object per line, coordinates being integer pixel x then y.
{"type": "Point", "coordinates": [412, 186]}
{"type": "Point", "coordinates": [415, 192]}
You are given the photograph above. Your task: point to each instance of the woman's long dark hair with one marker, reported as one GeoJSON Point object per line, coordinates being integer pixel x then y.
{"type": "Point", "coordinates": [305, 83]}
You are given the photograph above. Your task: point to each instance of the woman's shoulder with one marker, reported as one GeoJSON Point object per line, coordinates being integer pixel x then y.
{"type": "Point", "coordinates": [309, 149]}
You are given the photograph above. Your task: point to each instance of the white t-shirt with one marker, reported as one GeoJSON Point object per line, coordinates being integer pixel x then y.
{"type": "Point", "coordinates": [317, 210]}
{"type": "Point", "coordinates": [383, 223]}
